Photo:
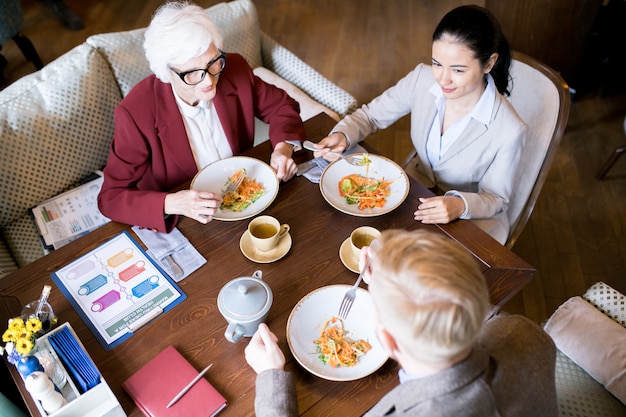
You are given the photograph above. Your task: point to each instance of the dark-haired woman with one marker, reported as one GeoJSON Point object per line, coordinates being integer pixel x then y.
{"type": "Point", "coordinates": [467, 135]}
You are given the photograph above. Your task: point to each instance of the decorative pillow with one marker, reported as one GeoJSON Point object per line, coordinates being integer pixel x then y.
{"type": "Point", "coordinates": [593, 341]}
{"type": "Point", "coordinates": [308, 106]}
{"type": "Point", "coordinates": [55, 128]}
{"type": "Point", "coordinates": [237, 21]}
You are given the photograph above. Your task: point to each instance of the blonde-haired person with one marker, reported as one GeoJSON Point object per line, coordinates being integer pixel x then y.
{"type": "Point", "coordinates": [198, 107]}
{"type": "Point", "coordinates": [433, 316]}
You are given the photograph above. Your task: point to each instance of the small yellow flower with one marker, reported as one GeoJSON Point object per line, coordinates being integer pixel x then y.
{"type": "Point", "coordinates": [33, 325]}
{"type": "Point", "coordinates": [25, 334]}
{"type": "Point", "coordinates": [8, 336]}
{"type": "Point", "coordinates": [17, 323]}
{"type": "Point", "coordinates": [24, 345]}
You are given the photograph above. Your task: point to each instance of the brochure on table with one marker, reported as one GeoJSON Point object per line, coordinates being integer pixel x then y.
{"type": "Point", "coordinates": [69, 215]}
{"type": "Point", "coordinates": [117, 288]}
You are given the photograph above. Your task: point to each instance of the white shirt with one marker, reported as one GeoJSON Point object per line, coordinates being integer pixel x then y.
{"type": "Point", "coordinates": [205, 132]}
{"type": "Point", "coordinates": [437, 144]}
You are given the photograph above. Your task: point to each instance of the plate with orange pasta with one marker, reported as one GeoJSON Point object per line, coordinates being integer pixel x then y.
{"type": "Point", "coordinates": [375, 186]}
{"type": "Point", "coordinates": [255, 193]}
{"type": "Point", "coordinates": [331, 348]}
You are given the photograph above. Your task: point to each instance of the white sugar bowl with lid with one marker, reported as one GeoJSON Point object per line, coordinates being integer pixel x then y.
{"type": "Point", "coordinates": [245, 303]}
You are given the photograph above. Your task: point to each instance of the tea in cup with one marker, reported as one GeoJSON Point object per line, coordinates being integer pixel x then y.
{"type": "Point", "coordinates": [266, 231]}
{"type": "Point", "coordinates": [362, 236]}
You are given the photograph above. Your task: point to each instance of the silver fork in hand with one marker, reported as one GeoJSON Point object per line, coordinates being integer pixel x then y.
{"type": "Point", "coordinates": [350, 295]}
{"type": "Point", "coordinates": [235, 182]}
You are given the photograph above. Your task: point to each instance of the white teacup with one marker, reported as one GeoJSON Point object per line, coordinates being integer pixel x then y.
{"type": "Point", "coordinates": [266, 231]}
{"type": "Point", "coordinates": [362, 236]}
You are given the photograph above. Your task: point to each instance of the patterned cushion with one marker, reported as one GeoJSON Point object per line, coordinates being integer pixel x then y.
{"type": "Point", "coordinates": [7, 263]}
{"type": "Point", "coordinates": [579, 395]}
{"type": "Point", "coordinates": [607, 300]}
{"type": "Point", "coordinates": [55, 128]}
{"type": "Point", "coordinates": [286, 65]}
{"type": "Point", "coordinates": [236, 20]}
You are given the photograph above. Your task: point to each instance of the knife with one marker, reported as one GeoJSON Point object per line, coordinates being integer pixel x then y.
{"type": "Point", "coordinates": [176, 269]}
{"type": "Point", "coordinates": [305, 167]}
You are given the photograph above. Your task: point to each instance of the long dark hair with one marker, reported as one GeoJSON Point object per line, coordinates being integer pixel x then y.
{"type": "Point", "coordinates": [480, 31]}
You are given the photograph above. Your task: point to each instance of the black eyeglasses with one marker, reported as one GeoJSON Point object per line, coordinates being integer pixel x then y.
{"type": "Point", "coordinates": [195, 76]}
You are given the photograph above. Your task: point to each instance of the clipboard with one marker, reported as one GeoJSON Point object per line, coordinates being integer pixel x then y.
{"type": "Point", "coordinates": [117, 288]}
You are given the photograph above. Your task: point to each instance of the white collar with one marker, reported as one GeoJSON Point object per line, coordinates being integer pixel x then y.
{"type": "Point", "coordinates": [189, 110]}
{"type": "Point", "coordinates": [482, 110]}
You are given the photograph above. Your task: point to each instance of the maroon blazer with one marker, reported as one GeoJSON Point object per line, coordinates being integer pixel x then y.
{"type": "Point", "coordinates": [150, 152]}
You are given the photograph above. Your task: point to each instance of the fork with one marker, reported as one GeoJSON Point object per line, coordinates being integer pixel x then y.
{"type": "Point", "coordinates": [348, 298]}
{"type": "Point", "coordinates": [350, 295]}
{"type": "Point", "coordinates": [352, 159]}
{"type": "Point", "coordinates": [232, 185]}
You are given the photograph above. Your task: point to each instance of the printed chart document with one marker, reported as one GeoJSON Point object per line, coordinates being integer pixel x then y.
{"type": "Point", "coordinates": [117, 288]}
{"type": "Point", "coordinates": [69, 215]}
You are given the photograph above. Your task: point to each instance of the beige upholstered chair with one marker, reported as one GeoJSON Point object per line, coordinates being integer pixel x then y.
{"type": "Point", "coordinates": [578, 393]}
{"type": "Point", "coordinates": [542, 99]}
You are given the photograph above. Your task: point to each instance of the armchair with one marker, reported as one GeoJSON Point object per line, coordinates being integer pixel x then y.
{"type": "Point", "coordinates": [542, 99]}
{"type": "Point", "coordinates": [587, 331]}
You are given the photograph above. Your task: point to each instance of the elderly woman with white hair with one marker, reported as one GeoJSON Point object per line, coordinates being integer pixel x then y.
{"type": "Point", "coordinates": [197, 107]}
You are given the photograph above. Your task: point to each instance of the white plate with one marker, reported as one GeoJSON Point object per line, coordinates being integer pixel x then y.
{"type": "Point", "coordinates": [214, 176]}
{"type": "Point", "coordinates": [307, 320]}
{"type": "Point", "coordinates": [379, 168]}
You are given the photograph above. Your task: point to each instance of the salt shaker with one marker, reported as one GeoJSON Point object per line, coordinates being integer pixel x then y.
{"type": "Point", "coordinates": [42, 389]}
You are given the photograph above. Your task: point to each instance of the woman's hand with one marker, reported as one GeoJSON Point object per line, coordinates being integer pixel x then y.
{"type": "Point", "coordinates": [263, 352]}
{"type": "Point", "coordinates": [197, 205]}
{"type": "Point", "coordinates": [331, 146]}
{"type": "Point", "coordinates": [440, 209]}
{"type": "Point", "coordinates": [282, 162]}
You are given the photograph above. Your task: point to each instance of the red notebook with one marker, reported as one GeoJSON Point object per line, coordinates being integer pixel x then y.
{"type": "Point", "coordinates": [157, 382]}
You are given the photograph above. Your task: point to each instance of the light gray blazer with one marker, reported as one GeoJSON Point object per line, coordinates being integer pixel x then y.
{"type": "Point", "coordinates": [510, 373]}
{"type": "Point", "coordinates": [482, 163]}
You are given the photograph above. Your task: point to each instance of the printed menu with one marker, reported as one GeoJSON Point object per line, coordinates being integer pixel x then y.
{"type": "Point", "coordinates": [117, 288]}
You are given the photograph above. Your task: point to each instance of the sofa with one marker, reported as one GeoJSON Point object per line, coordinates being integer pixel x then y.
{"type": "Point", "coordinates": [57, 123]}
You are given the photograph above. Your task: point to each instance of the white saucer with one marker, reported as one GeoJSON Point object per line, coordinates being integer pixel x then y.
{"type": "Point", "coordinates": [348, 257]}
{"type": "Point", "coordinates": [255, 255]}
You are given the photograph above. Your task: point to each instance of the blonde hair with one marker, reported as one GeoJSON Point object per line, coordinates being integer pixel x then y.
{"type": "Point", "coordinates": [428, 293]}
{"type": "Point", "coordinates": [178, 32]}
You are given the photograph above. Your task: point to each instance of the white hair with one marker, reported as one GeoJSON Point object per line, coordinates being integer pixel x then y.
{"type": "Point", "coordinates": [178, 33]}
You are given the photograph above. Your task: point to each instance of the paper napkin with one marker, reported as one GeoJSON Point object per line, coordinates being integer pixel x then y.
{"type": "Point", "coordinates": [79, 365]}
{"type": "Point", "coordinates": [173, 244]}
{"type": "Point", "coordinates": [315, 173]}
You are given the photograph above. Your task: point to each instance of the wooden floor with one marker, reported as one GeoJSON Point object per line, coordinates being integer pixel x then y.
{"type": "Point", "coordinates": [575, 237]}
